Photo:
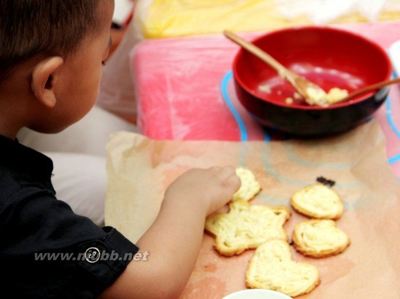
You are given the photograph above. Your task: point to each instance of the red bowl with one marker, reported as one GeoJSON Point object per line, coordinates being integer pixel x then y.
{"type": "Point", "coordinates": [330, 58]}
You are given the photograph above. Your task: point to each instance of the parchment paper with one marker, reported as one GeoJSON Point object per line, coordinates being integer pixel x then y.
{"type": "Point", "coordinates": [140, 170]}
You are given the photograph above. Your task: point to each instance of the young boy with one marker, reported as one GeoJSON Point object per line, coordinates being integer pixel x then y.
{"type": "Point", "coordinates": [51, 52]}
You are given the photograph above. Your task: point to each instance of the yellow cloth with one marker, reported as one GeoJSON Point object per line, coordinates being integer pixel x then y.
{"type": "Point", "coordinates": [170, 18]}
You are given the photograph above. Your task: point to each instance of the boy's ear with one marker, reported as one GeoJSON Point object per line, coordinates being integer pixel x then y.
{"type": "Point", "coordinates": [43, 80]}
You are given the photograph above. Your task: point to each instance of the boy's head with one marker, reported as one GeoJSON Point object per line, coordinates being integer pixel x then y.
{"type": "Point", "coordinates": [51, 54]}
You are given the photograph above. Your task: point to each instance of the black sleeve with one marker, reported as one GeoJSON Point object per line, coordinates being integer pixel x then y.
{"type": "Point", "coordinates": [47, 251]}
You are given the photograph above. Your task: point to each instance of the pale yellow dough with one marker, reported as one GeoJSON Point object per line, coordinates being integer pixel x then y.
{"type": "Point", "coordinates": [272, 268]}
{"type": "Point", "coordinates": [249, 185]}
{"type": "Point", "coordinates": [318, 201]}
{"type": "Point", "coordinates": [319, 238]}
{"type": "Point", "coordinates": [246, 226]}
{"type": "Point", "coordinates": [322, 98]}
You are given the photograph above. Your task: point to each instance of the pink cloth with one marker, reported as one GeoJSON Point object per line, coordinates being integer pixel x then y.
{"type": "Point", "coordinates": [179, 85]}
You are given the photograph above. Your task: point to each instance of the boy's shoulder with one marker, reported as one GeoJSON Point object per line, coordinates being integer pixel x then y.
{"type": "Point", "coordinates": [17, 186]}
{"type": "Point", "coordinates": [9, 184]}
{"type": "Point", "coordinates": [23, 171]}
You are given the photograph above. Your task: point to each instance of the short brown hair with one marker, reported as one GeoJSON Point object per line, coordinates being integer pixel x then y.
{"type": "Point", "coordinates": [50, 27]}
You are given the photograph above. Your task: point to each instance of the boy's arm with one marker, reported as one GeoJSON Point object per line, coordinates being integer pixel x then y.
{"type": "Point", "coordinates": [174, 239]}
{"type": "Point", "coordinates": [173, 243]}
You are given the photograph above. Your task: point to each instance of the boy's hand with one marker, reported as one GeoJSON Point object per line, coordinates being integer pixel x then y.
{"type": "Point", "coordinates": [210, 188]}
{"type": "Point", "coordinates": [180, 224]}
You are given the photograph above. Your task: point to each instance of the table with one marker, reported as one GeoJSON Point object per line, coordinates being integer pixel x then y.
{"type": "Point", "coordinates": [184, 90]}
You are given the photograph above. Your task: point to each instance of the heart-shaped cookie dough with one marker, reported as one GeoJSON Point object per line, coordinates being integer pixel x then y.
{"type": "Point", "coordinates": [319, 238]}
{"type": "Point", "coordinates": [272, 268]}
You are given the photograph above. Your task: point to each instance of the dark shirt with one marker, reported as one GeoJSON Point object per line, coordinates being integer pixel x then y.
{"type": "Point", "coordinates": [47, 251]}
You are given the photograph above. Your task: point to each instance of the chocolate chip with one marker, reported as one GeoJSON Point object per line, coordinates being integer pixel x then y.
{"type": "Point", "coordinates": [325, 181]}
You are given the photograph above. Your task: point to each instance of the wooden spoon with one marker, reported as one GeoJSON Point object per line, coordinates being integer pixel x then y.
{"type": "Point", "coordinates": [370, 88]}
{"type": "Point", "coordinates": [301, 84]}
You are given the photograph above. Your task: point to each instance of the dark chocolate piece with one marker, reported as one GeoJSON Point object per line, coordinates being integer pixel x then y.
{"type": "Point", "coordinates": [325, 181]}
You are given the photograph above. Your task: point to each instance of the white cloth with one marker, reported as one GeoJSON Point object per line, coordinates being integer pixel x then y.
{"type": "Point", "coordinates": [78, 154]}
{"type": "Point", "coordinates": [80, 180]}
